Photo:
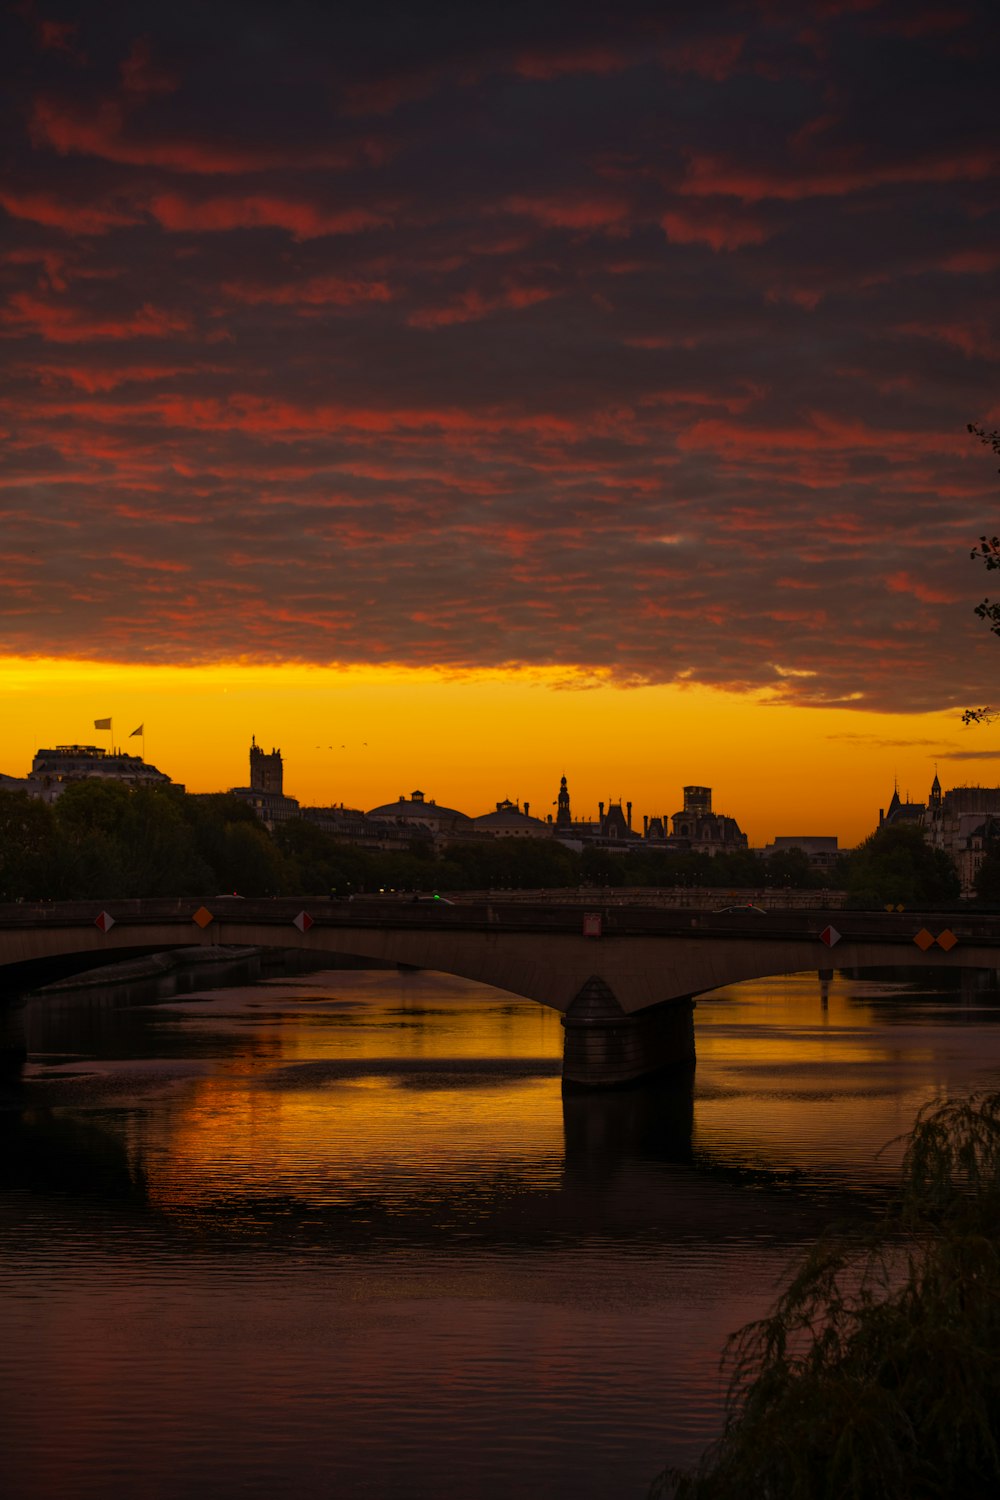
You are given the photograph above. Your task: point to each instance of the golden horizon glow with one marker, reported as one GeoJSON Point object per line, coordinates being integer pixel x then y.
{"type": "Point", "coordinates": [363, 735]}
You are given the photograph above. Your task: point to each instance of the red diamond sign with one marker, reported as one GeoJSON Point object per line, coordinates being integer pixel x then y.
{"type": "Point", "coordinates": [303, 921]}
{"type": "Point", "coordinates": [947, 940]}
{"type": "Point", "coordinates": [203, 916]}
{"type": "Point", "coordinates": [105, 921]}
{"type": "Point", "coordinates": [829, 936]}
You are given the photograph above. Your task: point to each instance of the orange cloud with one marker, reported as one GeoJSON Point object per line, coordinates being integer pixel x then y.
{"type": "Point", "coordinates": [916, 588]}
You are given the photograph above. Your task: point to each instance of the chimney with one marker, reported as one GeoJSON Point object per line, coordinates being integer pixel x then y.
{"type": "Point", "coordinates": [527, 814]}
{"type": "Point", "coordinates": [628, 809]}
{"type": "Point", "coordinates": [600, 809]}
{"type": "Point", "coordinates": [645, 824]}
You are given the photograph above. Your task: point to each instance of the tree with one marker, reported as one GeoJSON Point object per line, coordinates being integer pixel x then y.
{"type": "Point", "coordinates": [988, 874]}
{"type": "Point", "coordinates": [876, 1377]}
{"type": "Point", "coordinates": [27, 849]}
{"type": "Point", "coordinates": [249, 863]}
{"type": "Point", "coordinates": [987, 552]}
{"type": "Point", "coordinates": [117, 840]}
{"type": "Point", "coordinates": [896, 865]}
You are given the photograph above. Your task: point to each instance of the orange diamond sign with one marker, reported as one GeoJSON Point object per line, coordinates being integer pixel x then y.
{"type": "Point", "coordinates": [947, 940]}
{"type": "Point", "coordinates": [203, 916]}
{"type": "Point", "coordinates": [924, 939]}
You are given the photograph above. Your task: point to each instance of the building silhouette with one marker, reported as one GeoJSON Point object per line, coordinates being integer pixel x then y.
{"type": "Point", "coordinates": [702, 830]}
{"type": "Point", "coordinates": [265, 794]}
{"type": "Point", "coordinates": [266, 771]}
{"type": "Point", "coordinates": [53, 770]}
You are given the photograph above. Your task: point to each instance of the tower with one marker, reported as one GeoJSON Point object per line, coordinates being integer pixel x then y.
{"type": "Point", "coordinates": [563, 819]}
{"type": "Point", "coordinates": [935, 797]}
{"type": "Point", "coordinates": [265, 770]}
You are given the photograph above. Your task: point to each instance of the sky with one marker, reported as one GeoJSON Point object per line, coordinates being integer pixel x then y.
{"type": "Point", "coordinates": [460, 396]}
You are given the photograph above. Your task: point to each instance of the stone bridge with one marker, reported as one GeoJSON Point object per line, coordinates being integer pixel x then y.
{"type": "Point", "coordinates": [624, 977]}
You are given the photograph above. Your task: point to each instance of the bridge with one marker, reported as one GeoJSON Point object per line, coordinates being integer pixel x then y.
{"type": "Point", "coordinates": [624, 977]}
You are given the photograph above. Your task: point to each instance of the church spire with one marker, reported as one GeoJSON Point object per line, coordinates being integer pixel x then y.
{"type": "Point", "coordinates": [563, 819]}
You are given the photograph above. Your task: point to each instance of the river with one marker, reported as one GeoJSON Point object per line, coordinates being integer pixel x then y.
{"type": "Point", "coordinates": [340, 1235]}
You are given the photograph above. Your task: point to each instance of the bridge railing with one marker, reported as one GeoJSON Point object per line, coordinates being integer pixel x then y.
{"type": "Point", "coordinates": [515, 916]}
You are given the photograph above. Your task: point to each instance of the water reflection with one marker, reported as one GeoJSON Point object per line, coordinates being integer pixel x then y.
{"type": "Point", "coordinates": [47, 1153]}
{"type": "Point", "coordinates": [344, 1234]}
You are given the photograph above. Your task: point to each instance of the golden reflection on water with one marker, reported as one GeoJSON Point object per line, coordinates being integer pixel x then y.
{"type": "Point", "coordinates": [284, 1320]}
{"type": "Point", "coordinates": [827, 1077]}
{"type": "Point", "coordinates": [336, 1101]}
{"type": "Point", "coordinates": [346, 1085]}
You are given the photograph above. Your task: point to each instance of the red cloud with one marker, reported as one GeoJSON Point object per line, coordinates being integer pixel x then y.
{"type": "Point", "coordinates": [712, 57]}
{"type": "Point", "coordinates": [100, 128]}
{"type": "Point", "coordinates": [98, 381]}
{"type": "Point", "coordinates": [709, 175]}
{"type": "Point", "coordinates": [971, 262]}
{"type": "Point", "coordinates": [304, 219]}
{"type": "Point", "coordinates": [472, 305]}
{"type": "Point", "coordinates": [141, 76]}
{"type": "Point", "coordinates": [382, 96]}
{"type": "Point", "coordinates": [57, 36]}
{"type": "Point", "coordinates": [153, 564]}
{"type": "Point", "coordinates": [315, 291]}
{"type": "Point", "coordinates": [62, 324]}
{"type": "Point", "coordinates": [585, 211]}
{"type": "Point", "coordinates": [57, 212]}
{"type": "Point", "coordinates": [542, 65]}
{"type": "Point", "coordinates": [717, 227]}
{"type": "Point", "coordinates": [934, 22]}
{"type": "Point", "coordinates": [976, 338]}
{"type": "Point", "coordinates": [824, 433]}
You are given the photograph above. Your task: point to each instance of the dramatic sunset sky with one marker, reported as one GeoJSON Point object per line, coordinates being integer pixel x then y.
{"type": "Point", "coordinates": [456, 396]}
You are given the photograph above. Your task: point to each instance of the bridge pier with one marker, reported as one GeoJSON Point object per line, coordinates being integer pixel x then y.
{"type": "Point", "coordinates": [13, 1035]}
{"type": "Point", "coordinates": [604, 1047]}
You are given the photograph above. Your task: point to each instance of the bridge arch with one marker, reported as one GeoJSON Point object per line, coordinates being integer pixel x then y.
{"type": "Point", "coordinates": [624, 979]}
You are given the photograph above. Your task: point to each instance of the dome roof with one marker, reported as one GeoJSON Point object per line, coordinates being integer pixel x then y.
{"type": "Point", "coordinates": [417, 809]}
{"type": "Point", "coordinates": [509, 815]}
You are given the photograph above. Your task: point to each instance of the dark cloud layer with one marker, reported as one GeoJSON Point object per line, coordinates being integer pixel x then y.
{"type": "Point", "coordinates": [643, 339]}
